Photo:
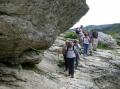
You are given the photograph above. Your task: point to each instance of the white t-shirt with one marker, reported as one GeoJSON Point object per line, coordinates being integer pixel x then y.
{"type": "Point", "coordinates": [86, 40]}
{"type": "Point", "coordinates": [81, 34]}
{"type": "Point", "coordinates": [71, 53]}
{"type": "Point", "coordinates": [77, 46]}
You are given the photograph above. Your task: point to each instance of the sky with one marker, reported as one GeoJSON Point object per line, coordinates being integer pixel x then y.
{"type": "Point", "coordinates": [101, 12]}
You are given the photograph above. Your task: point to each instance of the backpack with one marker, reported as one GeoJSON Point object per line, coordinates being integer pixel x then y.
{"type": "Point", "coordinates": [95, 34]}
{"type": "Point", "coordinates": [77, 30]}
{"type": "Point", "coordinates": [76, 53]}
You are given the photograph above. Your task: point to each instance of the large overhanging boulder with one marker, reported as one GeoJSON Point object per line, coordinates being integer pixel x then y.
{"type": "Point", "coordinates": [34, 24]}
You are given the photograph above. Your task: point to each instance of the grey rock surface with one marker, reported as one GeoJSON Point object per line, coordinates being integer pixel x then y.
{"type": "Point", "coordinates": [100, 71]}
{"type": "Point", "coordinates": [107, 39]}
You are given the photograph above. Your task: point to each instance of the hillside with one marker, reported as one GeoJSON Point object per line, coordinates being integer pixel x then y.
{"type": "Point", "coordinates": [107, 28]}
{"type": "Point", "coordinates": [98, 27]}
{"type": "Point", "coordinates": [112, 29]}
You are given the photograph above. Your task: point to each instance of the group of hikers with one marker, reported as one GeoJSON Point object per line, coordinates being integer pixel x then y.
{"type": "Point", "coordinates": [73, 48]}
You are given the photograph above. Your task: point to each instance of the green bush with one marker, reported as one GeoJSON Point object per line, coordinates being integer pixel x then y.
{"type": "Point", "coordinates": [103, 46]}
{"type": "Point", "coordinates": [71, 35]}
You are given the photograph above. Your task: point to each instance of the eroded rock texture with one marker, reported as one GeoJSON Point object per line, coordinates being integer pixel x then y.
{"type": "Point", "coordinates": [28, 24]}
{"type": "Point", "coordinates": [107, 39]}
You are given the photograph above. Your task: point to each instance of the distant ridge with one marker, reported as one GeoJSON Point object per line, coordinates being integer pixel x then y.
{"type": "Point", "coordinates": [107, 28]}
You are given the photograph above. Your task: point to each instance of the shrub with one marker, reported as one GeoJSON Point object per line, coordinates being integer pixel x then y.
{"type": "Point", "coordinates": [71, 35]}
{"type": "Point", "coordinates": [103, 46]}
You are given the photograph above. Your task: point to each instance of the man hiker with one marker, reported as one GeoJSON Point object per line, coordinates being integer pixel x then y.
{"type": "Point", "coordinates": [95, 39]}
{"type": "Point", "coordinates": [79, 32]}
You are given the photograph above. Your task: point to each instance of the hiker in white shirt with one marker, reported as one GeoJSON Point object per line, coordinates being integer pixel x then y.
{"type": "Point", "coordinates": [86, 42]}
{"type": "Point", "coordinates": [71, 55]}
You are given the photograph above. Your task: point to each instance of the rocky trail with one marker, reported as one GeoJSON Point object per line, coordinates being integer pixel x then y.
{"type": "Point", "coordinates": [94, 72]}
{"type": "Point", "coordinates": [100, 71]}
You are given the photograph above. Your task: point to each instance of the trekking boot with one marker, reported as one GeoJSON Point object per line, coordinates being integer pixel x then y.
{"type": "Point", "coordinates": [90, 53]}
{"type": "Point", "coordinates": [72, 76]}
{"type": "Point", "coordinates": [69, 74]}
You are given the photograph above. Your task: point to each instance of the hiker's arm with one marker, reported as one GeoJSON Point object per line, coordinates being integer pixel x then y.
{"type": "Point", "coordinates": [79, 46]}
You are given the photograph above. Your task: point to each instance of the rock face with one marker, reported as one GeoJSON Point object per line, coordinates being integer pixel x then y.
{"type": "Point", "coordinates": [29, 24]}
{"type": "Point", "coordinates": [107, 39]}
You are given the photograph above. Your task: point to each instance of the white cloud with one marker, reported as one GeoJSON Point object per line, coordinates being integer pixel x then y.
{"type": "Point", "coordinates": [101, 12]}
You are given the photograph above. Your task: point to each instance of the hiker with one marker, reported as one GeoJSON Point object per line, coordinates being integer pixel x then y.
{"type": "Point", "coordinates": [91, 41]}
{"type": "Point", "coordinates": [86, 42]}
{"type": "Point", "coordinates": [79, 32]}
{"type": "Point", "coordinates": [64, 49]}
{"type": "Point", "coordinates": [95, 39]}
{"type": "Point", "coordinates": [78, 48]}
{"type": "Point", "coordinates": [81, 35]}
{"type": "Point", "coordinates": [71, 55]}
